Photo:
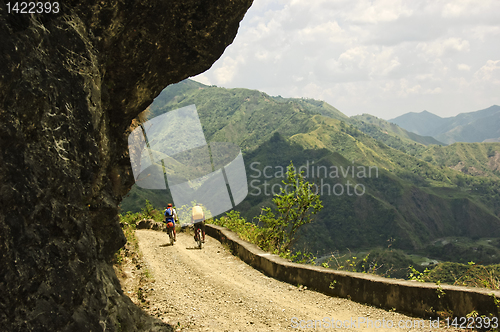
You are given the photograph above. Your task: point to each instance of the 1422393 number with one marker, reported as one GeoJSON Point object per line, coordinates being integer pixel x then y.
{"type": "Point", "coordinates": [33, 7]}
{"type": "Point", "coordinates": [472, 322]}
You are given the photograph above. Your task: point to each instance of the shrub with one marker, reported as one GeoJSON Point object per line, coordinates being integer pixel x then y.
{"type": "Point", "coordinates": [294, 208]}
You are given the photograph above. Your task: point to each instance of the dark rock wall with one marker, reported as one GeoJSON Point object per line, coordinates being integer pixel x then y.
{"type": "Point", "coordinates": [70, 84]}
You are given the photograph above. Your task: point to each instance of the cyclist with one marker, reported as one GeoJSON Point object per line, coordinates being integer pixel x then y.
{"type": "Point", "coordinates": [198, 218]}
{"type": "Point", "coordinates": [171, 216]}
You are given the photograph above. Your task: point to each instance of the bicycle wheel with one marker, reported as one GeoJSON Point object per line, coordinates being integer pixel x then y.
{"type": "Point", "coordinates": [198, 238]}
{"type": "Point", "coordinates": [171, 234]}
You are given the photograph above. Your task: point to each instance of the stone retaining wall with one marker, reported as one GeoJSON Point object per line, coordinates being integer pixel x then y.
{"type": "Point", "coordinates": [151, 224]}
{"type": "Point", "coordinates": [416, 298]}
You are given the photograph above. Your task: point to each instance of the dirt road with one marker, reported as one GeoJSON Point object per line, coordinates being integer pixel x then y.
{"type": "Point", "coordinates": [212, 290]}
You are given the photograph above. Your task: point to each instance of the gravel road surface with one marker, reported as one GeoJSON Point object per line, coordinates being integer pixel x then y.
{"type": "Point", "coordinates": [212, 290]}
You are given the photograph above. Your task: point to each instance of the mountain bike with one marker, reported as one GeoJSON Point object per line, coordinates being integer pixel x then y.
{"type": "Point", "coordinates": [170, 231]}
{"type": "Point", "coordinates": [197, 236]}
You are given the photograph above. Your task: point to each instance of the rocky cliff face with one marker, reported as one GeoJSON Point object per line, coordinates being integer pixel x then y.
{"type": "Point", "coordinates": [70, 84]}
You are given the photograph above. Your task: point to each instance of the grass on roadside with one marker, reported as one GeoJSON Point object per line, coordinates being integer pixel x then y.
{"type": "Point", "coordinates": [130, 257]}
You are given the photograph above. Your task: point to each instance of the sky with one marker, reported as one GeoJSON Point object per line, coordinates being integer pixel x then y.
{"type": "Point", "coordinates": [381, 57]}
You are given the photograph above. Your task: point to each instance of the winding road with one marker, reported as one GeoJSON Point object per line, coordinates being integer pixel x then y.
{"type": "Point", "coordinates": [212, 290]}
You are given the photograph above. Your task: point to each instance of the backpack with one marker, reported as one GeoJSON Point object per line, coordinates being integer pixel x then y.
{"type": "Point", "coordinates": [169, 214]}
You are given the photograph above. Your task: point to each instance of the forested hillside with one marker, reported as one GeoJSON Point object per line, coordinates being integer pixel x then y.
{"type": "Point", "coordinates": [380, 185]}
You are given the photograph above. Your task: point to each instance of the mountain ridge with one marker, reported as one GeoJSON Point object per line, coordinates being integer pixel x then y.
{"type": "Point", "coordinates": [471, 127]}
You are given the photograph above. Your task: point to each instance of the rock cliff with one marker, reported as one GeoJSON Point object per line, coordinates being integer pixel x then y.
{"type": "Point", "coordinates": [70, 84]}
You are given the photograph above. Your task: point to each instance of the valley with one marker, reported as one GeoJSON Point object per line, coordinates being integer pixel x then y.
{"type": "Point", "coordinates": [421, 191]}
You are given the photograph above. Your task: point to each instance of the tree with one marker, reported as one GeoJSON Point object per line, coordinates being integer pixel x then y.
{"type": "Point", "coordinates": [296, 204]}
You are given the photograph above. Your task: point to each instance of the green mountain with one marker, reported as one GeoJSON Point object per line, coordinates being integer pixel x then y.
{"type": "Point", "coordinates": [391, 134]}
{"type": "Point", "coordinates": [479, 126]}
{"type": "Point", "coordinates": [176, 90]}
{"type": "Point", "coordinates": [391, 128]}
{"type": "Point", "coordinates": [390, 208]}
{"type": "Point", "coordinates": [481, 159]}
{"type": "Point", "coordinates": [373, 195]}
{"type": "Point", "coordinates": [423, 123]}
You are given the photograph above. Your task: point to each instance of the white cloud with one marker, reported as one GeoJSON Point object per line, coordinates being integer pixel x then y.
{"type": "Point", "coordinates": [444, 47]}
{"type": "Point", "coordinates": [367, 11]}
{"type": "Point", "coordinates": [485, 32]}
{"type": "Point", "coordinates": [368, 56]}
{"type": "Point", "coordinates": [433, 91]}
{"type": "Point", "coordinates": [228, 70]}
{"type": "Point", "coordinates": [323, 32]}
{"type": "Point", "coordinates": [362, 62]}
{"type": "Point", "coordinates": [490, 72]}
{"type": "Point", "coordinates": [406, 88]}
{"type": "Point", "coordinates": [463, 8]}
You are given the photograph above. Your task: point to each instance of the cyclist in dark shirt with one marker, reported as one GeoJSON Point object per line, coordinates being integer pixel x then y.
{"type": "Point", "coordinates": [171, 216]}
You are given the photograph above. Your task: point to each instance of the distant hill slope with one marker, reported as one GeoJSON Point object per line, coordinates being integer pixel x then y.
{"type": "Point", "coordinates": [176, 90]}
{"type": "Point", "coordinates": [423, 123]}
{"type": "Point", "coordinates": [395, 129]}
{"type": "Point", "coordinates": [410, 202]}
{"type": "Point", "coordinates": [391, 134]}
{"type": "Point", "coordinates": [469, 158]}
{"type": "Point", "coordinates": [318, 106]}
{"type": "Point", "coordinates": [492, 140]}
{"type": "Point", "coordinates": [394, 208]}
{"type": "Point", "coordinates": [479, 126]}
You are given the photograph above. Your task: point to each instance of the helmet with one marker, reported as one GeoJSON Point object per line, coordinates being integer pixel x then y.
{"type": "Point", "coordinates": [169, 205]}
